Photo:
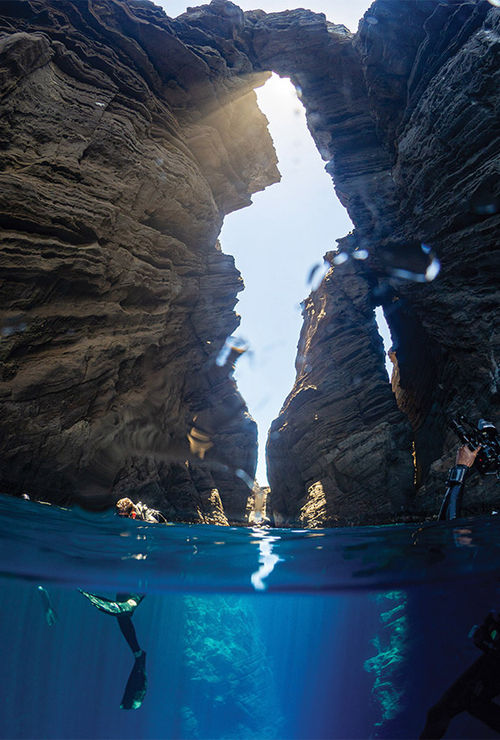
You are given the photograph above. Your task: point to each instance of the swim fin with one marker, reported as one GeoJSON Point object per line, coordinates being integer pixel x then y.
{"type": "Point", "coordinates": [135, 690]}
{"type": "Point", "coordinates": [115, 608]}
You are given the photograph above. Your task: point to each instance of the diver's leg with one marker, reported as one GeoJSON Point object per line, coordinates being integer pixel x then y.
{"type": "Point", "coordinates": [488, 712]}
{"type": "Point", "coordinates": [438, 718]}
{"type": "Point", "coordinates": [457, 699]}
{"type": "Point", "coordinates": [128, 631]}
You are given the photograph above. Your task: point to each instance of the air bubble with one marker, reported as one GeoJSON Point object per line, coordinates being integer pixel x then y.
{"type": "Point", "coordinates": [360, 254]}
{"type": "Point", "coordinates": [495, 3]}
{"type": "Point", "coordinates": [371, 20]}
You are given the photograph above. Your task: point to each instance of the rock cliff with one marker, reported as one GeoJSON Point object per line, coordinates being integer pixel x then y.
{"type": "Point", "coordinates": [127, 137]}
{"type": "Point", "coordinates": [124, 143]}
{"type": "Point", "coordinates": [426, 76]}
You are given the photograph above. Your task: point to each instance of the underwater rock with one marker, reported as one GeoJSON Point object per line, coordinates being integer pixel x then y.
{"type": "Point", "coordinates": [231, 677]}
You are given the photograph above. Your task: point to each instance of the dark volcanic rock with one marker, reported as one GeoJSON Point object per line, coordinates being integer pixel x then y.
{"type": "Point", "coordinates": [341, 419]}
{"type": "Point", "coordinates": [430, 75]}
{"type": "Point", "coordinates": [121, 152]}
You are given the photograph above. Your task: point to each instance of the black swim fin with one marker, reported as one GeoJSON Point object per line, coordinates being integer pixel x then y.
{"type": "Point", "coordinates": [135, 690]}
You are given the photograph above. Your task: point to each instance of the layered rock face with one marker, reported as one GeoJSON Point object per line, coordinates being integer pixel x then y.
{"type": "Point", "coordinates": [126, 137]}
{"type": "Point", "coordinates": [121, 151]}
{"type": "Point", "coordinates": [427, 78]}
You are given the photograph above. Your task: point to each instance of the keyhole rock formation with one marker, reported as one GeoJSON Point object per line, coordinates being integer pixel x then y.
{"type": "Point", "coordinates": [126, 137]}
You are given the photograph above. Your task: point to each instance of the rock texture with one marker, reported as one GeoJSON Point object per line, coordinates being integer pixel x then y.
{"type": "Point", "coordinates": [426, 76]}
{"type": "Point", "coordinates": [124, 142]}
{"type": "Point", "coordinates": [126, 137]}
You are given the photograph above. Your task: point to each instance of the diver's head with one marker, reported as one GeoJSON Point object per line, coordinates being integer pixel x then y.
{"type": "Point", "coordinates": [125, 507]}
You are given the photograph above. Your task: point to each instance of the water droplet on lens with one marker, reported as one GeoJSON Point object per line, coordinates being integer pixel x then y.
{"type": "Point", "coordinates": [340, 258]}
{"type": "Point", "coordinates": [360, 254]}
{"type": "Point", "coordinates": [9, 329]}
{"type": "Point", "coordinates": [312, 273]}
{"type": "Point", "coordinates": [371, 20]}
{"type": "Point", "coordinates": [485, 209]}
{"type": "Point", "coordinates": [433, 270]}
{"type": "Point", "coordinates": [223, 355]}
{"type": "Point", "coordinates": [244, 477]}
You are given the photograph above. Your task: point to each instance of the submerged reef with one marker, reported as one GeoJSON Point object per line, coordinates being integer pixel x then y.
{"type": "Point", "coordinates": [127, 136]}
{"type": "Point", "coordinates": [230, 677]}
{"type": "Point", "coordinates": [388, 664]}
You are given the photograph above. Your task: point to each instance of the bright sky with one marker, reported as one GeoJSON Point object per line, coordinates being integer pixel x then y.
{"type": "Point", "coordinates": [278, 240]}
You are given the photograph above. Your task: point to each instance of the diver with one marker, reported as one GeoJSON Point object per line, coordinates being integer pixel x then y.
{"type": "Point", "coordinates": [450, 508]}
{"type": "Point", "coordinates": [49, 611]}
{"type": "Point", "coordinates": [475, 689]}
{"type": "Point", "coordinates": [123, 608]}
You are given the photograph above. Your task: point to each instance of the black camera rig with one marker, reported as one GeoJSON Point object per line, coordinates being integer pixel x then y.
{"type": "Point", "coordinates": [486, 436]}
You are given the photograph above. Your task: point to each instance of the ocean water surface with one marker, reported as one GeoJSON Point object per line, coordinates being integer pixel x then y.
{"type": "Point", "coordinates": [249, 632]}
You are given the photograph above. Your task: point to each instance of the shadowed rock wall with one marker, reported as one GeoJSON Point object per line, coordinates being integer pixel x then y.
{"type": "Point", "coordinates": [121, 152]}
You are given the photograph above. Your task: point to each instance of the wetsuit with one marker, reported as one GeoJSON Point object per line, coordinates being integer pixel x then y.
{"type": "Point", "coordinates": [148, 515]}
{"type": "Point", "coordinates": [123, 608]}
{"type": "Point", "coordinates": [473, 692]}
{"type": "Point", "coordinates": [452, 502]}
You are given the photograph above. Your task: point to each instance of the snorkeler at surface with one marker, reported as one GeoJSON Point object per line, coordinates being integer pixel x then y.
{"type": "Point", "coordinates": [126, 507]}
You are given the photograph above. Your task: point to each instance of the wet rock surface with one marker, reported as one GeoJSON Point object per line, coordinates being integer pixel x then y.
{"type": "Point", "coordinates": [127, 137]}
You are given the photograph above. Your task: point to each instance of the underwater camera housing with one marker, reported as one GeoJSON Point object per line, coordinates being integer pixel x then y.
{"type": "Point", "coordinates": [486, 636]}
{"type": "Point", "coordinates": [485, 434]}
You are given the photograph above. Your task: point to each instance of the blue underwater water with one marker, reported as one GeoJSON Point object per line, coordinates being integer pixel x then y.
{"type": "Point", "coordinates": [249, 632]}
